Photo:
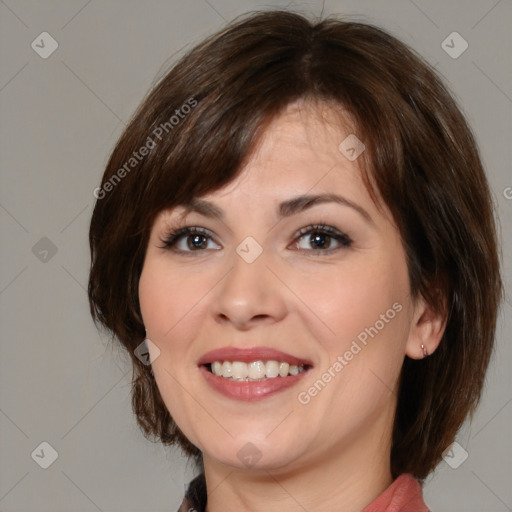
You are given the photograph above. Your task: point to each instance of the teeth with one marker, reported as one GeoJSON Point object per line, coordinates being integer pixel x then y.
{"type": "Point", "coordinates": [217, 368]}
{"type": "Point", "coordinates": [272, 369]}
{"type": "Point", "coordinates": [283, 369]}
{"type": "Point", "coordinates": [255, 370]}
{"type": "Point", "coordinates": [239, 370]}
{"type": "Point", "coordinates": [226, 369]}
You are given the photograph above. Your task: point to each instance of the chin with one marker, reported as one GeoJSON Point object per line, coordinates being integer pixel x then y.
{"type": "Point", "coordinates": [255, 453]}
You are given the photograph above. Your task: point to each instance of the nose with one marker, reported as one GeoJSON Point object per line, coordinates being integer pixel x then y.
{"type": "Point", "coordinates": [249, 295]}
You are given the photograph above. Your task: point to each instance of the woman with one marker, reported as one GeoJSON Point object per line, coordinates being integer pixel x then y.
{"type": "Point", "coordinates": [294, 240]}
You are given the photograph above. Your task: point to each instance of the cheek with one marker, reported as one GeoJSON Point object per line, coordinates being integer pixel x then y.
{"type": "Point", "coordinates": [350, 299]}
{"type": "Point", "coordinates": [155, 299]}
{"type": "Point", "coordinates": [366, 308]}
{"type": "Point", "coordinates": [364, 302]}
{"type": "Point", "coordinates": [166, 298]}
{"type": "Point", "coordinates": [169, 306]}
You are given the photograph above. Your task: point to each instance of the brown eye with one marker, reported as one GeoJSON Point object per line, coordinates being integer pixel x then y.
{"type": "Point", "coordinates": [321, 238]}
{"type": "Point", "coordinates": [188, 240]}
{"type": "Point", "coordinates": [196, 242]}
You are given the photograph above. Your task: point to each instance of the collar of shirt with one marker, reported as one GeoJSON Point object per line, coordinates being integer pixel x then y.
{"type": "Point", "coordinates": [403, 495]}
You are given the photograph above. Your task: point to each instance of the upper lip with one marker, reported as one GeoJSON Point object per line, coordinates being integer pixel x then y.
{"type": "Point", "coordinates": [248, 355]}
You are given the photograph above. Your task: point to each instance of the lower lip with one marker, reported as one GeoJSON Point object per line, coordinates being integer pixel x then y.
{"type": "Point", "coordinates": [252, 390]}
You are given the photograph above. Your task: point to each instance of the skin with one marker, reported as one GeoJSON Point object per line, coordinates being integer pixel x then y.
{"type": "Point", "coordinates": [336, 448]}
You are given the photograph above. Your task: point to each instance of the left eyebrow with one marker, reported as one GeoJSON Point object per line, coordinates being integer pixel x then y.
{"type": "Point", "coordinates": [285, 209]}
{"type": "Point", "coordinates": [301, 203]}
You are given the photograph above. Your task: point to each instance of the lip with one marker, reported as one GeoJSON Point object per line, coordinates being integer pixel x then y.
{"type": "Point", "coordinates": [247, 355]}
{"type": "Point", "coordinates": [250, 391]}
{"type": "Point", "coordinates": [255, 390]}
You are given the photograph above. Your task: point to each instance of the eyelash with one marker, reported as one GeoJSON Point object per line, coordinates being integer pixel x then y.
{"type": "Point", "coordinates": [170, 240]}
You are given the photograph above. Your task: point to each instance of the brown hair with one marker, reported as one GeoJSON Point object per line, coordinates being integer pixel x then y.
{"type": "Point", "coordinates": [420, 155]}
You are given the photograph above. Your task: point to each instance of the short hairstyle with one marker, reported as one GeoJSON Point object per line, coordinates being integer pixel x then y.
{"type": "Point", "coordinates": [197, 128]}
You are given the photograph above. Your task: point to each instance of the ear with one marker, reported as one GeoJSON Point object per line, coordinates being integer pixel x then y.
{"type": "Point", "coordinates": [427, 329]}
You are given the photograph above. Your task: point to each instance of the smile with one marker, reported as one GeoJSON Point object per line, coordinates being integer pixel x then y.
{"type": "Point", "coordinates": [251, 374]}
{"type": "Point", "coordinates": [255, 370]}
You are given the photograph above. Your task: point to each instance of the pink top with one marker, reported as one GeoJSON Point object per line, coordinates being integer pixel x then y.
{"type": "Point", "coordinates": [403, 495]}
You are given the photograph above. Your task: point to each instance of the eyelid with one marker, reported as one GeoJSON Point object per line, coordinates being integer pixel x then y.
{"type": "Point", "coordinates": [320, 226]}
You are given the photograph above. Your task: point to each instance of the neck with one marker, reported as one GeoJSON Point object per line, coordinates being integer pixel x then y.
{"type": "Point", "coordinates": [353, 474]}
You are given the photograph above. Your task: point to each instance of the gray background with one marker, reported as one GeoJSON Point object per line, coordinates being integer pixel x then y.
{"type": "Point", "coordinates": [60, 118]}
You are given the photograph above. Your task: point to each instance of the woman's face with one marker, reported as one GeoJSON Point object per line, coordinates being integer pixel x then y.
{"type": "Point", "coordinates": [261, 284]}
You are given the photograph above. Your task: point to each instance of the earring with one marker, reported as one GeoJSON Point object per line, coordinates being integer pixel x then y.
{"type": "Point", "coordinates": [425, 352]}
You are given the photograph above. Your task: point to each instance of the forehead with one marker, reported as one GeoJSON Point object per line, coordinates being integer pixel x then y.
{"type": "Point", "coordinates": [298, 154]}
{"type": "Point", "coordinates": [298, 149]}
{"type": "Point", "coordinates": [305, 129]}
